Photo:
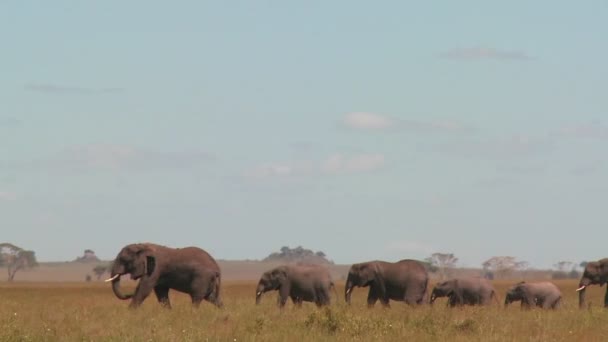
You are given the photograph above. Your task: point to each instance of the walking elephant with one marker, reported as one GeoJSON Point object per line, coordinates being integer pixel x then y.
{"type": "Point", "coordinates": [542, 294]}
{"type": "Point", "coordinates": [300, 283]}
{"type": "Point", "coordinates": [405, 280]}
{"type": "Point", "coordinates": [465, 291]}
{"type": "Point", "coordinates": [596, 273]}
{"type": "Point", "coordinates": [190, 270]}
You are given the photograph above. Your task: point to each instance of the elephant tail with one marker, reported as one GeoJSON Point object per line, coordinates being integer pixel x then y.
{"type": "Point", "coordinates": [218, 283]}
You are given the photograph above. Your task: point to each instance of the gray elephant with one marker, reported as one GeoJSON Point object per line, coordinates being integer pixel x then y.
{"type": "Point", "coordinates": [405, 280]}
{"type": "Point", "coordinates": [298, 282]}
{"type": "Point", "coordinates": [541, 294]}
{"type": "Point", "coordinates": [465, 291]}
{"type": "Point", "coordinates": [190, 270]}
{"type": "Point", "coordinates": [596, 273]}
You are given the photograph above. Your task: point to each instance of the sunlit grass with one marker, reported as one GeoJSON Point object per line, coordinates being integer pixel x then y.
{"type": "Point", "coordinates": [89, 312]}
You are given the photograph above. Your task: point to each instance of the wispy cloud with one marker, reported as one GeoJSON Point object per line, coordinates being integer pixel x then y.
{"type": "Point", "coordinates": [7, 196]}
{"type": "Point", "coordinates": [414, 247]}
{"type": "Point", "coordinates": [50, 88]}
{"type": "Point", "coordinates": [8, 121]}
{"type": "Point", "coordinates": [359, 163]}
{"type": "Point", "coordinates": [333, 165]}
{"type": "Point", "coordinates": [114, 157]}
{"type": "Point", "coordinates": [592, 130]}
{"type": "Point", "coordinates": [476, 53]}
{"type": "Point", "coordinates": [371, 121]}
{"type": "Point", "coordinates": [504, 148]}
{"type": "Point", "coordinates": [378, 122]}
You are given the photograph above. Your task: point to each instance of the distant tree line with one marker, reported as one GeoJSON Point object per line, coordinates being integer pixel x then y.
{"type": "Point", "coordinates": [298, 254]}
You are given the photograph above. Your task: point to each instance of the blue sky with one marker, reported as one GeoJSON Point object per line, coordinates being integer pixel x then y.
{"type": "Point", "coordinates": [369, 131]}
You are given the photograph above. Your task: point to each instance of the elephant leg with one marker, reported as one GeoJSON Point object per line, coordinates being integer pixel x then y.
{"type": "Point", "coordinates": [283, 296]}
{"type": "Point", "coordinates": [162, 294]}
{"type": "Point", "coordinates": [372, 297]}
{"type": "Point", "coordinates": [606, 298]}
{"type": "Point", "coordinates": [142, 292]}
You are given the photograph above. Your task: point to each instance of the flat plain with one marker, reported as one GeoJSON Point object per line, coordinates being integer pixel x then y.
{"type": "Point", "coordinates": [78, 311]}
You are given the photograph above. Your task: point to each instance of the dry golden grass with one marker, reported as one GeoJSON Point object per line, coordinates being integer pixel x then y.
{"type": "Point", "coordinates": [90, 312]}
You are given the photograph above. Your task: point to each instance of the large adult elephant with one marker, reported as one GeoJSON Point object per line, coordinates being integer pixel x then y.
{"type": "Point", "coordinates": [404, 280]}
{"type": "Point", "coordinates": [465, 291]}
{"type": "Point", "coordinates": [543, 294]}
{"type": "Point", "coordinates": [596, 273]}
{"type": "Point", "coordinates": [298, 282]}
{"type": "Point", "coordinates": [190, 270]}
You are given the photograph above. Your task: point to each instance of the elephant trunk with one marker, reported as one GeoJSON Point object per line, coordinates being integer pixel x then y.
{"type": "Point", "coordinates": [116, 288]}
{"type": "Point", "coordinates": [348, 291]}
{"type": "Point", "coordinates": [258, 294]}
{"type": "Point", "coordinates": [117, 271]}
{"type": "Point", "coordinates": [433, 297]}
{"type": "Point", "coordinates": [582, 288]}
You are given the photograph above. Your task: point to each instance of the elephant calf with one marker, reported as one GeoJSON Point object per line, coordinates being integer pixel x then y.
{"type": "Point", "coordinates": [300, 283]}
{"type": "Point", "coordinates": [542, 294]}
{"type": "Point", "coordinates": [465, 291]}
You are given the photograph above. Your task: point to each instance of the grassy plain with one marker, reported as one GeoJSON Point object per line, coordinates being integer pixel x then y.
{"type": "Point", "coordinates": [90, 312]}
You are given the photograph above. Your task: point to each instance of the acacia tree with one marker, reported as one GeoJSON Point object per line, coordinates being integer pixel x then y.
{"type": "Point", "coordinates": [99, 270]}
{"type": "Point", "coordinates": [503, 265]}
{"type": "Point", "coordinates": [443, 262]}
{"type": "Point", "coordinates": [16, 258]}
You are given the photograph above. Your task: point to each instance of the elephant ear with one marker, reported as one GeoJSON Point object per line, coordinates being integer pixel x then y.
{"type": "Point", "coordinates": [144, 260]}
{"type": "Point", "coordinates": [150, 264]}
{"type": "Point", "coordinates": [379, 279]}
{"type": "Point", "coordinates": [280, 274]}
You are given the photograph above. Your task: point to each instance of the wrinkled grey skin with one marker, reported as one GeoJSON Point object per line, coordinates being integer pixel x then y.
{"type": "Point", "coordinates": [465, 291]}
{"type": "Point", "coordinates": [190, 270]}
{"type": "Point", "coordinates": [596, 273]}
{"type": "Point", "coordinates": [300, 283]}
{"type": "Point", "coordinates": [405, 280]}
{"type": "Point", "coordinates": [541, 294]}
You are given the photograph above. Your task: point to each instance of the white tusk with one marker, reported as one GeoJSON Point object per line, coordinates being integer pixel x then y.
{"type": "Point", "coordinates": [258, 294]}
{"type": "Point", "coordinates": [348, 291]}
{"type": "Point", "coordinates": [110, 279]}
{"type": "Point", "coordinates": [581, 288]}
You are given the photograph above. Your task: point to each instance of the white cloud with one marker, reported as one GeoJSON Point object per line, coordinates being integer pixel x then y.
{"type": "Point", "coordinates": [405, 246]}
{"type": "Point", "coordinates": [592, 130]}
{"type": "Point", "coordinates": [50, 88]}
{"type": "Point", "coordinates": [475, 53]}
{"type": "Point", "coordinates": [7, 196]}
{"type": "Point", "coordinates": [362, 120]}
{"type": "Point", "coordinates": [359, 163]}
{"type": "Point", "coordinates": [112, 156]}
{"type": "Point", "coordinates": [377, 122]}
{"type": "Point", "coordinates": [335, 164]}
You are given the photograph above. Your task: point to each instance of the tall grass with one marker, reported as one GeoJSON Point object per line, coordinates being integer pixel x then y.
{"type": "Point", "coordinates": [89, 312]}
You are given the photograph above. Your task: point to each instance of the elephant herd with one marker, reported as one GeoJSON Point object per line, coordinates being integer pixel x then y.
{"type": "Point", "coordinates": [193, 271]}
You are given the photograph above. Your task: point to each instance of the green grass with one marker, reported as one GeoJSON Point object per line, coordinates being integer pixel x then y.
{"type": "Point", "coordinates": [90, 312]}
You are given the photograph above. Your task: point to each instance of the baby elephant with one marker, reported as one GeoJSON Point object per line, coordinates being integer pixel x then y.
{"type": "Point", "coordinates": [542, 294]}
{"type": "Point", "coordinates": [461, 291]}
{"type": "Point", "coordinates": [300, 283]}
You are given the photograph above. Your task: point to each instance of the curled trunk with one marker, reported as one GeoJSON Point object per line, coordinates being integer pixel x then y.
{"type": "Point", "coordinates": [116, 289]}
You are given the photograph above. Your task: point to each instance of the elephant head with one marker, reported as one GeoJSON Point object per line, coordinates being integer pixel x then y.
{"type": "Point", "coordinates": [270, 280]}
{"type": "Point", "coordinates": [518, 292]}
{"type": "Point", "coordinates": [137, 260]}
{"type": "Point", "coordinates": [361, 275]}
{"type": "Point", "coordinates": [443, 289]}
{"type": "Point", "coordinates": [596, 273]}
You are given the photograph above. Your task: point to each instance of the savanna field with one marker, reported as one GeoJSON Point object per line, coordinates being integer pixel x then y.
{"type": "Point", "coordinates": [90, 312]}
